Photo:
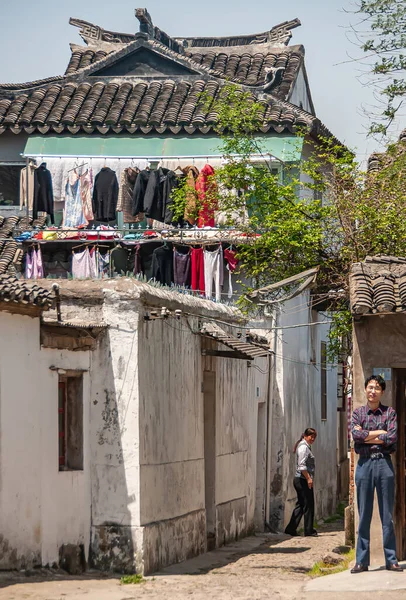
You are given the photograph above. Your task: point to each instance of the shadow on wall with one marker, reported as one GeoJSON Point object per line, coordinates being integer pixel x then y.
{"type": "Point", "coordinates": [277, 500]}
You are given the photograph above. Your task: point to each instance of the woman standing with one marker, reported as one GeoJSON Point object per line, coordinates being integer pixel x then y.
{"type": "Point", "coordinates": [303, 483]}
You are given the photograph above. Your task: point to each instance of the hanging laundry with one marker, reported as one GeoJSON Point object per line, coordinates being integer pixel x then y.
{"type": "Point", "coordinates": [73, 214]}
{"type": "Point", "coordinates": [137, 260]}
{"type": "Point", "coordinates": [23, 186]}
{"type": "Point", "coordinates": [103, 264]}
{"type": "Point", "coordinates": [157, 200]}
{"type": "Point", "coordinates": [197, 269]}
{"type": "Point", "coordinates": [207, 196]}
{"type": "Point", "coordinates": [232, 261]}
{"type": "Point", "coordinates": [86, 187]}
{"type": "Point", "coordinates": [43, 193]}
{"type": "Point", "coordinates": [125, 196]}
{"type": "Point", "coordinates": [181, 268]}
{"type": "Point", "coordinates": [34, 265]}
{"type": "Point", "coordinates": [213, 272]}
{"type": "Point", "coordinates": [119, 260]}
{"type": "Point", "coordinates": [140, 188]}
{"type": "Point", "coordinates": [105, 195]}
{"type": "Point", "coordinates": [162, 265]}
{"type": "Point", "coordinates": [84, 265]}
{"type": "Point", "coordinates": [191, 175]}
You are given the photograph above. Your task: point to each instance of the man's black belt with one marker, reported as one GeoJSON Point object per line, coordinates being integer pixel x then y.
{"type": "Point", "coordinates": [378, 455]}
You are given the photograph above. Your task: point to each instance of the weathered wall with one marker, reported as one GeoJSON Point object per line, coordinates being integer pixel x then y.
{"type": "Point", "coordinates": [145, 456]}
{"type": "Point", "coordinates": [171, 440]}
{"type": "Point", "coordinates": [41, 508]}
{"type": "Point", "coordinates": [172, 449]}
{"type": "Point", "coordinates": [296, 404]}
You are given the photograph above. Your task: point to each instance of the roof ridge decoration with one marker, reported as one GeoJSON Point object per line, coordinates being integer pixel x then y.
{"type": "Point", "coordinates": [278, 36]}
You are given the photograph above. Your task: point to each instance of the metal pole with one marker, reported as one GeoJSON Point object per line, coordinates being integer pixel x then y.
{"type": "Point", "coordinates": [27, 196]}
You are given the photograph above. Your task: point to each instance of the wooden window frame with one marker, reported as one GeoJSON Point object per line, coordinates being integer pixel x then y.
{"type": "Point", "coordinates": [70, 421]}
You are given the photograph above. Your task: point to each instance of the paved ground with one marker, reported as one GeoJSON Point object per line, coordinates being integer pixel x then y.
{"type": "Point", "coordinates": [266, 566]}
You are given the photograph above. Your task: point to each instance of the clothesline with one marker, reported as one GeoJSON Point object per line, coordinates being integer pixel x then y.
{"type": "Point", "coordinates": [148, 158]}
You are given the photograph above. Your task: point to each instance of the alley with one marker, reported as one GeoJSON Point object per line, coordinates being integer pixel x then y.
{"type": "Point", "coordinates": [265, 566]}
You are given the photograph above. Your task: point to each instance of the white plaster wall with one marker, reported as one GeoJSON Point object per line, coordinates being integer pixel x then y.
{"type": "Point", "coordinates": [240, 388]}
{"type": "Point", "coordinates": [172, 431]}
{"type": "Point", "coordinates": [40, 507]}
{"type": "Point", "coordinates": [299, 96]}
{"type": "Point", "coordinates": [171, 413]}
{"type": "Point", "coordinates": [297, 405]}
{"type": "Point", "coordinates": [114, 423]}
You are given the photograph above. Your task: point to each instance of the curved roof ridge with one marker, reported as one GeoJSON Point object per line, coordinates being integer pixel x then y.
{"type": "Point", "coordinates": [16, 87]}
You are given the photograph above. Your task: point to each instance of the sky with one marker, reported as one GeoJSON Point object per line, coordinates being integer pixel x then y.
{"type": "Point", "coordinates": [35, 37]}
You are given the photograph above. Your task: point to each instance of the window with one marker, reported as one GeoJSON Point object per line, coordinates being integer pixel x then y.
{"type": "Point", "coordinates": [70, 422]}
{"type": "Point", "coordinates": [323, 371]}
{"type": "Point", "coordinates": [10, 184]}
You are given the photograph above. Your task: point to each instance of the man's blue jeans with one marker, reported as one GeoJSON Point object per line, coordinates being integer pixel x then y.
{"type": "Point", "coordinates": [379, 474]}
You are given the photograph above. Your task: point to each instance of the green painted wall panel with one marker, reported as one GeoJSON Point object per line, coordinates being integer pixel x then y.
{"type": "Point", "coordinates": [284, 147]}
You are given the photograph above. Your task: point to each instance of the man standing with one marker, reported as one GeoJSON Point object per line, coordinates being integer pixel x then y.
{"type": "Point", "coordinates": [374, 430]}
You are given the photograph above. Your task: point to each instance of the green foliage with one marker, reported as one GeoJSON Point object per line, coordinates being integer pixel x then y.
{"type": "Point", "coordinates": [325, 211]}
{"type": "Point", "coordinates": [321, 568]}
{"type": "Point", "coordinates": [131, 579]}
{"type": "Point", "coordinates": [381, 34]}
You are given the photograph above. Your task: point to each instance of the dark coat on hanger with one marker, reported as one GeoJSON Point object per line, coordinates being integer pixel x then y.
{"type": "Point", "coordinates": [125, 196]}
{"type": "Point", "coordinates": [157, 200]}
{"type": "Point", "coordinates": [139, 192]}
{"type": "Point", "coordinates": [162, 265]}
{"type": "Point", "coordinates": [43, 193]}
{"type": "Point", "coordinates": [105, 195]}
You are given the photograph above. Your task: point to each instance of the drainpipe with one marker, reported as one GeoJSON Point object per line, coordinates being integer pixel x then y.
{"type": "Point", "coordinates": [55, 287]}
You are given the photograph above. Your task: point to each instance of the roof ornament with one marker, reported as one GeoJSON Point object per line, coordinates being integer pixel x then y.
{"type": "Point", "coordinates": [281, 34]}
{"type": "Point", "coordinates": [273, 76]}
{"type": "Point", "coordinates": [92, 34]}
{"type": "Point", "coordinates": [147, 26]}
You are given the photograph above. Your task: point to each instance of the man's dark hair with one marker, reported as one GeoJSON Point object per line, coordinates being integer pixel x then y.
{"type": "Point", "coordinates": [379, 380]}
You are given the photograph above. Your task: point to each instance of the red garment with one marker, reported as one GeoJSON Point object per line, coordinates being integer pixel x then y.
{"type": "Point", "coordinates": [206, 188]}
{"type": "Point", "coordinates": [197, 269]}
{"type": "Point", "coordinates": [230, 256]}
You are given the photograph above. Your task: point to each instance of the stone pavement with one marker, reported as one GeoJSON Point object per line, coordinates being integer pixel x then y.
{"type": "Point", "coordinates": [256, 568]}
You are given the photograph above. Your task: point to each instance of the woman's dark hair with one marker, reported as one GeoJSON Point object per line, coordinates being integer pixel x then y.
{"type": "Point", "coordinates": [307, 432]}
{"type": "Point", "coordinates": [379, 380]}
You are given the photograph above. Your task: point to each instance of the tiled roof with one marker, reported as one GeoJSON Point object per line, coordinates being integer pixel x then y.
{"type": "Point", "coordinates": [10, 254]}
{"type": "Point", "coordinates": [252, 60]}
{"type": "Point", "coordinates": [246, 67]}
{"type": "Point", "coordinates": [139, 105]}
{"type": "Point", "coordinates": [82, 57]}
{"type": "Point", "coordinates": [15, 291]}
{"type": "Point", "coordinates": [241, 346]}
{"type": "Point", "coordinates": [378, 285]}
{"type": "Point", "coordinates": [253, 68]}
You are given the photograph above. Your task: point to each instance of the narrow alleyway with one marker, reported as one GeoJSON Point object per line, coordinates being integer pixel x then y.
{"type": "Point", "coordinates": [265, 566]}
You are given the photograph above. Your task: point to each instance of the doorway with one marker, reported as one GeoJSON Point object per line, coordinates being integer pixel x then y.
{"type": "Point", "coordinates": [400, 461]}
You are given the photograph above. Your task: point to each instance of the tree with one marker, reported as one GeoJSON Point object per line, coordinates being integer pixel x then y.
{"type": "Point", "coordinates": [381, 34]}
{"type": "Point", "coordinates": [338, 216]}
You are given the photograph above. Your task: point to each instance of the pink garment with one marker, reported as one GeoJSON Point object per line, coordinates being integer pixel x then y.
{"type": "Point", "coordinates": [33, 265]}
{"type": "Point", "coordinates": [28, 265]}
{"type": "Point", "coordinates": [40, 267]}
{"type": "Point", "coordinates": [84, 265]}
